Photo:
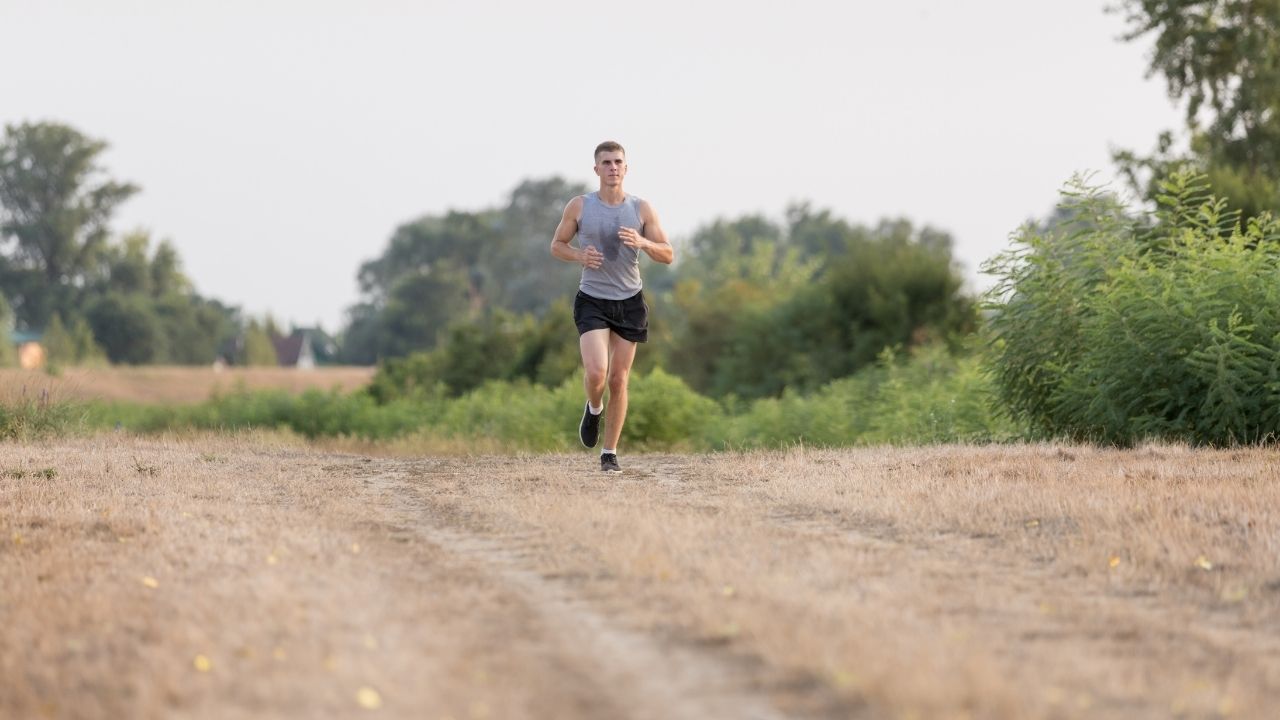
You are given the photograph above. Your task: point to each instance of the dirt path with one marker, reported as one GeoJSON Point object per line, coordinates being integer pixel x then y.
{"type": "Point", "coordinates": [226, 578]}
{"type": "Point", "coordinates": [624, 673]}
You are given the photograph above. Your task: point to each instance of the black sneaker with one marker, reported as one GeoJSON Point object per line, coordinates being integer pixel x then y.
{"type": "Point", "coordinates": [589, 428]}
{"type": "Point", "coordinates": [609, 463]}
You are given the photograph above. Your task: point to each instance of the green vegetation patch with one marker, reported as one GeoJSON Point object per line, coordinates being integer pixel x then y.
{"type": "Point", "coordinates": [926, 397]}
{"type": "Point", "coordinates": [1119, 327]}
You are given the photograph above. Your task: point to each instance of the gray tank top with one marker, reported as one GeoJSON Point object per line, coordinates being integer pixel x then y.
{"type": "Point", "coordinates": [618, 278]}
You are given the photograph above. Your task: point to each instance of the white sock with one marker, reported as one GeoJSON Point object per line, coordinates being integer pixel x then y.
{"type": "Point", "coordinates": [608, 452]}
{"type": "Point", "coordinates": [595, 410]}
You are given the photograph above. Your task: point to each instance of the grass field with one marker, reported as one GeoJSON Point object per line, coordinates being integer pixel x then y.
{"type": "Point", "coordinates": [255, 577]}
{"type": "Point", "coordinates": [175, 385]}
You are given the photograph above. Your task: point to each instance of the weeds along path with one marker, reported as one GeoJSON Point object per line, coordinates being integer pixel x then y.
{"type": "Point", "coordinates": [231, 577]}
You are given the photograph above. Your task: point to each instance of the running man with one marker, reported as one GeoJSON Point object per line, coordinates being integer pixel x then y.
{"type": "Point", "coordinates": [612, 228]}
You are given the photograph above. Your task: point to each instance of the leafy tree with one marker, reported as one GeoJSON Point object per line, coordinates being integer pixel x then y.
{"type": "Point", "coordinates": [526, 225]}
{"type": "Point", "coordinates": [733, 270]}
{"type": "Point", "coordinates": [192, 329]}
{"type": "Point", "coordinates": [751, 249]}
{"type": "Point", "coordinates": [476, 352]}
{"type": "Point", "coordinates": [258, 347]}
{"type": "Point", "coordinates": [900, 288]}
{"type": "Point", "coordinates": [818, 234]}
{"type": "Point", "coordinates": [426, 280]}
{"type": "Point", "coordinates": [895, 286]}
{"type": "Point", "coordinates": [57, 259]}
{"type": "Point", "coordinates": [128, 329]}
{"type": "Point", "coordinates": [422, 306]}
{"type": "Point", "coordinates": [1223, 58]}
{"type": "Point", "coordinates": [272, 328]}
{"type": "Point", "coordinates": [439, 270]}
{"type": "Point", "coordinates": [55, 206]}
{"type": "Point", "coordinates": [766, 308]}
{"type": "Point", "coordinates": [87, 349]}
{"type": "Point", "coordinates": [706, 321]}
{"type": "Point", "coordinates": [546, 358]}
{"type": "Point", "coordinates": [502, 347]}
{"type": "Point", "coordinates": [126, 267]}
{"type": "Point", "coordinates": [361, 340]}
{"type": "Point", "coordinates": [414, 376]}
{"type": "Point", "coordinates": [757, 307]}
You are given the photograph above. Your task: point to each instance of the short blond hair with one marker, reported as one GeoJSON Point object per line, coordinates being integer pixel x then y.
{"type": "Point", "coordinates": [608, 146]}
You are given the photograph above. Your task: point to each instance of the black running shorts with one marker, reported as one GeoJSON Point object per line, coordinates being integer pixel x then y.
{"type": "Point", "coordinates": [629, 318]}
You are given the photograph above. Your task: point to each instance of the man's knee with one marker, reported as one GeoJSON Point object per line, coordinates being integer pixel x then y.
{"type": "Point", "coordinates": [595, 376]}
{"type": "Point", "coordinates": [618, 381]}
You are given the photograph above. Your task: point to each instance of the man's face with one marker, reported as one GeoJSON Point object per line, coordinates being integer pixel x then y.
{"type": "Point", "coordinates": [611, 166]}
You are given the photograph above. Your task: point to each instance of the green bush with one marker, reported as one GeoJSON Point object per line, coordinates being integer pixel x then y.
{"type": "Point", "coordinates": [847, 293]}
{"type": "Point", "coordinates": [936, 397]}
{"type": "Point", "coordinates": [313, 414]}
{"type": "Point", "coordinates": [927, 397]}
{"type": "Point", "coordinates": [504, 347]}
{"type": "Point", "coordinates": [1118, 328]}
{"type": "Point", "coordinates": [663, 412]}
{"type": "Point", "coordinates": [415, 376]}
{"type": "Point", "coordinates": [520, 414]}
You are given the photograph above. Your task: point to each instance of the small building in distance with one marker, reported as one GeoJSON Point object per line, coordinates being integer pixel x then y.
{"type": "Point", "coordinates": [302, 348]}
{"type": "Point", "coordinates": [295, 350]}
{"type": "Point", "coordinates": [31, 355]}
{"type": "Point", "coordinates": [306, 348]}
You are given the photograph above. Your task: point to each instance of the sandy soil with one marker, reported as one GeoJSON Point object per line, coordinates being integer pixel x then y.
{"type": "Point", "coordinates": [245, 577]}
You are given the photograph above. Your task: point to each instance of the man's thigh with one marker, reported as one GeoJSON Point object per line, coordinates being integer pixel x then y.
{"type": "Point", "coordinates": [594, 345]}
{"type": "Point", "coordinates": [622, 353]}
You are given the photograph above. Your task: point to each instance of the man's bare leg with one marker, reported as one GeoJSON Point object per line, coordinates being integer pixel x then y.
{"type": "Point", "coordinates": [623, 353]}
{"type": "Point", "coordinates": [595, 361]}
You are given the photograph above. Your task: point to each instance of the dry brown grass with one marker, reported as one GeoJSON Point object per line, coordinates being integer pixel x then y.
{"type": "Point", "coordinates": [946, 582]}
{"type": "Point", "coordinates": [177, 385]}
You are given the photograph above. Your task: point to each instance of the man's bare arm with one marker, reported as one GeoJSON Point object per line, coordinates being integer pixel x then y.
{"type": "Point", "coordinates": [654, 240]}
{"type": "Point", "coordinates": [568, 227]}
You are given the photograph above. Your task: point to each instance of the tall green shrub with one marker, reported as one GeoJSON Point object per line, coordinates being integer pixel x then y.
{"type": "Point", "coordinates": [59, 345]}
{"type": "Point", "coordinates": [258, 347]}
{"type": "Point", "coordinates": [1117, 327]}
{"type": "Point", "coordinates": [8, 354]}
{"type": "Point", "coordinates": [925, 396]}
{"type": "Point", "coordinates": [503, 347]}
{"type": "Point", "coordinates": [87, 349]}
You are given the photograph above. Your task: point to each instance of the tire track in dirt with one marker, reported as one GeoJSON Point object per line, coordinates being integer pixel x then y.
{"type": "Point", "coordinates": [633, 670]}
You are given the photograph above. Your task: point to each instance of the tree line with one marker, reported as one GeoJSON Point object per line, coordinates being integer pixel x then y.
{"type": "Point", "coordinates": [92, 296]}
{"type": "Point", "coordinates": [469, 296]}
{"type": "Point", "coordinates": [753, 307]}
{"type": "Point", "coordinates": [96, 297]}
{"type": "Point", "coordinates": [756, 306]}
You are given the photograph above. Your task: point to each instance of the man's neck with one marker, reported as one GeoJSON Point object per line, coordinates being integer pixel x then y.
{"type": "Point", "coordinates": [612, 195]}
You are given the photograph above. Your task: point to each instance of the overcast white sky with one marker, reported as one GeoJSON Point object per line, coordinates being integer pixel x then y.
{"type": "Point", "coordinates": [278, 143]}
